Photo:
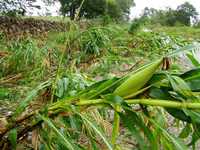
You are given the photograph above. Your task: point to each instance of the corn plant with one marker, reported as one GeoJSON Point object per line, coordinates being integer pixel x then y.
{"type": "Point", "coordinates": [82, 121]}
{"type": "Point", "coordinates": [194, 57]}
{"type": "Point", "coordinates": [72, 111]}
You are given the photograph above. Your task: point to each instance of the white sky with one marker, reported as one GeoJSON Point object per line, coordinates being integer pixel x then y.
{"type": "Point", "coordinates": [135, 11]}
{"type": "Point", "coordinates": [53, 9]}
{"type": "Point", "coordinates": [160, 4]}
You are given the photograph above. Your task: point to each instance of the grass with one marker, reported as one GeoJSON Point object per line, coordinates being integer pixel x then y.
{"type": "Point", "coordinates": [63, 89]}
{"type": "Point", "coordinates": [50, 18]}
{"type": "Point", "coordinates": [188, 33]}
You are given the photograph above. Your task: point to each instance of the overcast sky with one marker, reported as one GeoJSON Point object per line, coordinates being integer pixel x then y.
{"type": "Point", "coordinates": [160, 4]}
{"type": "Point", "coordinates": [135, 11]}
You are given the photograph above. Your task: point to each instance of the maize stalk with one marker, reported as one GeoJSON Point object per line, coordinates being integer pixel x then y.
{"type": "Point", "coordinates": [116, 125]}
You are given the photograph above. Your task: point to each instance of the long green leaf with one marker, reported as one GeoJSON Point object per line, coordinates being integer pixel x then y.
{"type": "Point", "coordinates": [133, 122]}
{"type": "Point", "coordinates": [24, 103]}
{"type": "Point", "coordinates": [193, 60]}
{"type": "Point", "coordinates": [12, 137]}
{"type": "Point", "coordinates": [179, 145]}
{"type": "Point", "coordinates": [67, 142]}
{"type": "Point", "coordinates": [95, 128]}
{"type": "Point", "coordinates": [190, 47]}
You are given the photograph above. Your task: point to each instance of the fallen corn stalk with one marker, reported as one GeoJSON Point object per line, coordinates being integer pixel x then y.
{"type": "Point", "coordinates": [52, 109]}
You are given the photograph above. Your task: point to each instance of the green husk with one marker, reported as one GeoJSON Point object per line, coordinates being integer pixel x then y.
{"type": "Point", "coordinates": [137, 80]}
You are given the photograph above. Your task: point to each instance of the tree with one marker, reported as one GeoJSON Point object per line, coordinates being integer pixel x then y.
{"type": "Point", "coordinates": [94, 8]}
{"type": "Point", "coordinates": [163, 17]}
{"type": "Point", "coordinates": [185, 13]}
{"type": "Point", "coordinates": [170, 17]}
{"type": "Point", "coordinates": [149, 12]}
{"type": "Point", "coordinates": [124, 7]}
{"type": "Point", "coordinates": [16, 7]}
{"type": "Point", "coordinates": [68, 7]}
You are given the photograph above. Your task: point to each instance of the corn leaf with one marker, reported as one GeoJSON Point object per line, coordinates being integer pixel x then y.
{"type": "Point", "coordinates": [12, 137]}
{"type": "Point", "coordinates": [97, 130]}
{"type": "Point", "coordinates": [135, 124]}
{"type": "Point", "coordinates": [178, 144]}
{"type": "Point", "coordinates": [66, 141]}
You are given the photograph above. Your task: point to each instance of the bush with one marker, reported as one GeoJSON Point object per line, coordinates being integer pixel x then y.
{"type": "Point", "coordinates": [197, 25]}
{"type": "Point", "coordinates": [137, 24]}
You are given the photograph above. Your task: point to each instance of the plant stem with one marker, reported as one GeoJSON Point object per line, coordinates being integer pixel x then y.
{"type": "Point", "coordinates": [63, 104]}
{"type": "Point", "coordinates": [78, 11]}
{"type": "Point", "coordinates": [151, 102]}
{"type": "Point", "coordinates": [116, 124]}
{"type": "Point", "coordinates": [165, 103]}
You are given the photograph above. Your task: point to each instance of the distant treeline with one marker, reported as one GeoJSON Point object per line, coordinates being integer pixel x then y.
{"type": "Point", "coordinates": [185, 14]}
{"type": "Point", "coordinates": [74, 9]}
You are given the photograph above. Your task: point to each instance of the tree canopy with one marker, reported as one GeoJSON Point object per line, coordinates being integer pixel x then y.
{"type": "Point", "coordinates": [186, 12]}
{"type": "Point", "coordinates": [118, 9]}
{"type": "Point", "coordinates": [183, 14]}
{"type": "Point", "coordinates": [15, 7]}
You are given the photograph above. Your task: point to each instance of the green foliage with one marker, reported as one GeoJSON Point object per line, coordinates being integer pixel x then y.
{"type": "Point", "coordinates": [13, 138]}
{"type": "Point", "coordinates": [189, 33]}
{"type": "Point", "coordinates": [70, 84]}
{"type": "Point", "coordinates": [90, 43]}
{"type": "Point", "coordinates": [93, 40]}
{"type": "Point", "coordinates": [137, 24]}
{"type": "Point", "coordinates": [197, 25]}
{"type": "Point", "coordinates": [91, 123]}
{"type": "Point", "coordinates": [117, 9]}
{"type": "Point", "coordinates": [78, 110]}
{"type": "Point", "coordinates": [134, 123]}
{"type": "Point", "coordinates": [168, 140]}
{"type": "Point", "coordinates": [170, 17]}
{"type": "Point", "coordinates": [15, 8]}
{"type": "Point", "coordinates": [62, 141]}
{"type": "Point", "coordinates": [29, 97]}
{"type": "Point", "coordinates": [157, 42]}
{"type": "Point", "coordinates": [24, 56]}
{"type": "Point", "coordinates": [4, 93]}
{"type": "Point", "coordinates": [185, 12]}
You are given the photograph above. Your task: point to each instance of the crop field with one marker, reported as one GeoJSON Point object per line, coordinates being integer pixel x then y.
{"type": "Point", "coordinates": [101, 86]}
